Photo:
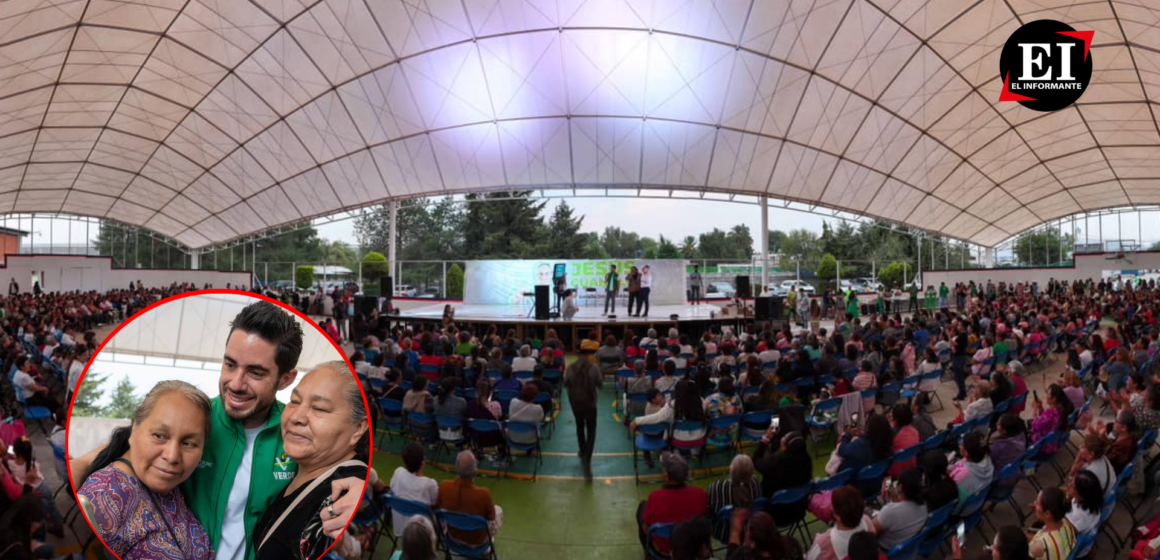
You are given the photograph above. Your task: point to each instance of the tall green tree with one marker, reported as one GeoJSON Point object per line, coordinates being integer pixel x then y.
{"type": "Point", "coordinates": [620, 244]}
{"type": "Point", "coordinates": [689, 247]}
{"type": "Point", "coordinates": [802, 244]}
{"type": "Point", "coordinates": [564, 240]}
{"type": "Point", "coordinates": [504, 225]}
{"type": "Point", "coordinates": [666, 249]}
{"type": "Point", "coordinates": [1045, 246]}
{"type": "Point", "coordinates": [124, 402]}
{"type": "Point", "coordinates": [90, 391]}
{"type": "Point", "coordinates": [776, 238]}
{"type": "Point", "coordinates": [129, 246]}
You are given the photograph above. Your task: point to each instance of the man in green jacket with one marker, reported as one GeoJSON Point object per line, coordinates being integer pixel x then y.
{"type": "Point", "coordinates": [243, 468]}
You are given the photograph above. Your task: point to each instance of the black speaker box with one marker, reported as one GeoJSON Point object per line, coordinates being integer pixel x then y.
{"type": "Point", "coordinates": [386, 287]}
{"type": "Point", "coordinates": [761, 308]}
{"type": "Point", "coordinates": [743, 288]}
{"type": "Point", "coordinates": [542, 303]}
{"type": "Point", "coordinates": [365, 304]}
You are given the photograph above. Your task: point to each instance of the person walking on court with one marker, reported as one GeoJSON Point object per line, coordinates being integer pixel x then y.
{"type": "Point", "coordinates": [611, 288]}
{"type": "Point", "coordinates": [583, 380]}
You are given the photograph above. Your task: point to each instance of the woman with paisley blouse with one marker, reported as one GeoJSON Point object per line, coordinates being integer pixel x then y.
{"type": "Point", "coordinates": [132, 486]}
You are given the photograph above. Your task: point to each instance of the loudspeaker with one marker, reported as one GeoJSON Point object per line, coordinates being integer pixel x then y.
{"type": "Point", "coordinates": [365, 304]}
{"type": "Point", "coordinates": [386, 287]}
{"type": "Point", "coordinates": [761, 306]}
{"type": "Point", "coordinates": [769, 308]}
{"type": "Point", "coordinates": [542, 303]}
{"type": "Point", "coordinates": [743, 287]}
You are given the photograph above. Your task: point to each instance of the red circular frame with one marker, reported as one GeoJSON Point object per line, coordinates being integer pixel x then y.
{"type": "Point", "coordinates": [308, 320]}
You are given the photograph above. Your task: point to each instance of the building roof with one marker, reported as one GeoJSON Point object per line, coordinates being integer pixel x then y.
{"type": "Point", "coordinates": [208, 120]}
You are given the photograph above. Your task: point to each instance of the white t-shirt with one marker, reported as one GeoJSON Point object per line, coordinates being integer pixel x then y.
{"type": "Point", "coordinates": [408, 486]}
{"type": "Point", "coordinates": [1084, 521]}
{"type": "Point", "coordinates": [646, 279]}
{"type": "Point", "coordinates": [232, 545]}
{"type": "Point", "coordinates": [67, 340]}
{"type": "Point", "coordinates": [25, 382]}
{"type": "Point", "coordinates": [74, 374]}
{"type": "Point", "coordinates": [1104, 472]}
{"type": "Point", "coordinates": [524, 364]}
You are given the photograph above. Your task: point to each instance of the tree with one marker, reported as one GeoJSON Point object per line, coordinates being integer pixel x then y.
{"type": "Point", "coordinates": [504, 225]}
{"type": "Point", "coordinates": [375, 265]}
{"type": "Point", "coordinates": [620, 244]}
{"type": "Point", "coordinates": [893, 274]}
{"type": "Point", "coordinates": [802, 244]}
{"type": "Point", "coordinates": [689, 247]}
{"type": "Point", "coordinates": [776, 239]}
{"type": "Point", "coordinates": [123, 403]}
{"type": "Point", "coordinates": [593, 248]}
{"type": "Point", "coordinates": [304, 277]}
{"type": "Point", "coordinates": [827, 268]}
{"type": "Point", "coordinates": [1045, 246]}
{"type": "Point", "coordinates": [90, 391]}
{"type": "Point", "coordinates": [1155, 246]}
{"type": "Point", "coordinates": [455, 282]}
{"type": "Point", "coordinates": [564, 240]}
{"type": "Point", "coordinates": [129, 246]}
{"type": "Point", "coordinates": [667, 250]}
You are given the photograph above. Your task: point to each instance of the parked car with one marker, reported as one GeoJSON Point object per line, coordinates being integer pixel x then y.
{"type": "Point", "coordinates": [429, 293]}
{"type": "Point", "coordinates": [720, 289]}
{"type": "Point", "coordinates": [802, 288]}
{"type": "Point", "coordinates": [404, 290]}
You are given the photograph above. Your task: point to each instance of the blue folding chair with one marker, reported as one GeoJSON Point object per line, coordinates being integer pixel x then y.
{"type": "Point", "coordinates": [478, 429]}
{"type": "Point", "coordinates": [869, 479]}
{"type": "Point", "coordinates": [729, 423]}
{"type": "Point", "coordinates": [1003, 490]}
{"type": "Point", "coordinates": [658, 531]}
{"type": "Point", "coordinates": [505, 398]}
{"type": "Point", "coordinates": [407, 509]}
{"type": "Point", "coordinates": [650, 438]}
{"type": "Point", "coordinates": [465, 522]}
{"type": "Point", "coordinates": [37, 414]}
{"type": "Point", "coordinates": [452, 435]}
{"type": "Point", "coordinates": [936, 441]}
{"type": "Point", "coordinates": [823, 419]}
{"type": "Point", "coordinates": [906, 550]}
{"type": "Point", "coordinates": [530, 432]}
{"type": "Point", "coordinates": [754, 424]}
{"type": "Point", "coordinates": [422, 427]}
{"type": "Point", "coordinates": [545, 398]}
{"type": "Point", "coordinates": [788, 497]}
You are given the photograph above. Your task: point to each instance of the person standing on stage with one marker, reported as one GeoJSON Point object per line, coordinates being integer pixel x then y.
{"type": "Point", "coordinates": [633, 279]}
{"type": "Point", "coordinates": [611, 287]}
{"type": "Point", "coordinates": [583, 379]}
{"type": "Point", "coordinates": [561, 287]}
{"type": "Point", "coordinates": [569, 309]}
{"type": "Point", "coordinates": [645, 289]}
{"type": "Point", "coordinates": [695, 284]}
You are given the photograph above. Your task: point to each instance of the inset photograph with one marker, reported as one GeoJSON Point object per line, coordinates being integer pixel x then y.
{"type": "Point", "coordinates": [219, 424]}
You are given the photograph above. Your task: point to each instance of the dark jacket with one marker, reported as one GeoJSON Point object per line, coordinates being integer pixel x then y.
{"type": "Point", "coordinates": [583, 379]}
{"type": "Point", "coordinates": [780, 471]}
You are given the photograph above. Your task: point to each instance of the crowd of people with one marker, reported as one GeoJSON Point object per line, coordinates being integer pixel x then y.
{"type": "Point", "coordinates": [1093, 340]}
{"type": "Point", "coordinates": [46, 338]}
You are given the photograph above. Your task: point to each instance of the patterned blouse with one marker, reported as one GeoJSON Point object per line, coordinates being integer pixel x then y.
{"type": "Point", "coordinates": [128, 522]}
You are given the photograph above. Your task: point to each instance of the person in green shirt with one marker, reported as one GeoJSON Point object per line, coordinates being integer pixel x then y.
{"type": "Point", "coordinates": [881, 301]}
{"type": "Point", "coordinates": [261, 355]}
{"type": "Point", "coordinates": [930, 298]}
{"type": "Point", "coordinates": [852, 303]}
{"type": "Point", "coordinates": [912, 289]}
{"type": "Point", "coordinates": [943, 292]}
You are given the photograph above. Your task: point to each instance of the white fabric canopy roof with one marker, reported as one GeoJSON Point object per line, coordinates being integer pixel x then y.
{"type": "Point", "coordinates": [196, 328]}
{"type": "Point", "coordinates": [208, 120]}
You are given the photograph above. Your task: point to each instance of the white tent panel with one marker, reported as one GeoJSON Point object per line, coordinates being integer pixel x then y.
{"type": "Point", "coordinates": [197, 328]}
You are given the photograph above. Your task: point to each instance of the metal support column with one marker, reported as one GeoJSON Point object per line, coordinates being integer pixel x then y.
{"type": "Point", "coordinates": [195, 260]}
{"type": "Point", "coordinates": [393, 207]}
{"type": "Point", "coordinates": [764, 245]}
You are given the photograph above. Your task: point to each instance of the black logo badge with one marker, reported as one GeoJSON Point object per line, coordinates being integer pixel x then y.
{"type": "Point", "coordinates": [1046, 65]}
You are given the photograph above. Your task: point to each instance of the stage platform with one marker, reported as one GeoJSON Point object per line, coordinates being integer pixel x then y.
{"type": "Point", "coordinates": [689, 319]}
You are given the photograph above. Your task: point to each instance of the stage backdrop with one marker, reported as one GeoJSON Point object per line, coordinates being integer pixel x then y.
{"type": "Point", "coordinates": [504, 282]}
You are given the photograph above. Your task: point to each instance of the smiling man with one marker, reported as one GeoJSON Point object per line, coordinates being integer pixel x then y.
{"type": "Point", "coordinates": [244, 467]}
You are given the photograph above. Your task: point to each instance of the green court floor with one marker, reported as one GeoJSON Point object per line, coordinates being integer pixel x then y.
{"type": "Point", "coordinates": [559, 515]}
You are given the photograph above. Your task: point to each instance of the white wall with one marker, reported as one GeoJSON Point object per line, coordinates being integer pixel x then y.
{"type": "Point", "coordinates": [1086, 266]}
{"type": "Point", "coordinates": [66, 273]}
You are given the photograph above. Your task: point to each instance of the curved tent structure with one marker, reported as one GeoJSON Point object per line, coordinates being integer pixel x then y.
{"type": "Point", "coordinates": [209, 120]}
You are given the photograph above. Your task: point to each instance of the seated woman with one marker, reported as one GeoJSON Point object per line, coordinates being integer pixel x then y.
{"type": "Point", "coordinates": [1057, 537]}
{"type": "Point", "coordinates": [1050, 418]}
{"type": "Point", "coordinates": [849, 518]}
{"type": "Point", "coordinates": [724, 402]}
{"type": "Point", "coordinates": [131, 486]}
{"type": "Point", "coordinates": [905, 514]}
{"type": "Point", "coordinates": [739, 491]}
{"type": "Point", "coordinates": [524, 409]}
{"type": "Point", "coordinates": [324, 430]}
{"type": "Point", "coordinates": [1009, 442]}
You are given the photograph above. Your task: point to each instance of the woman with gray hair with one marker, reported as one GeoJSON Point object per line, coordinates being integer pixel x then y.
{"type": "Point", "coordinates": [525, 361]}
{"type": "Point", "coordinates": [418, 542]}
{"type": "Point", "coordinates": [324, 430]}
{"type": "Point", "coordinates": [740, 490]}
{"type": "Point", "coordinates": [130, 491]}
